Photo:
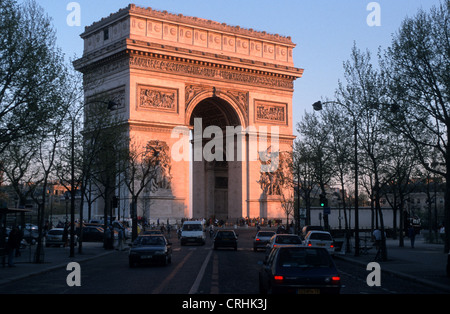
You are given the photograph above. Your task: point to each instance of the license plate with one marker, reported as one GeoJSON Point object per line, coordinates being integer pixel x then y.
{"type": "Point", "coordinates": [320, 244]}
{"type": "Point", "coordinates": [308, 291]}
{"type": "Point", "coordinates": [146, 256]}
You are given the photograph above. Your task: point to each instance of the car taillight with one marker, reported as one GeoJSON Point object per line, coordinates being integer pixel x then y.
{"type": "Point", "coordinates": [309, 244]}
{"type": "Point", "coordinates": [278, 278]}
{"type": "Point", "coordinates": [336, 279]}
{"type": "Point", "coordinates": [258, 240]}
{"type": "Point", "coordinates": [332, 246]}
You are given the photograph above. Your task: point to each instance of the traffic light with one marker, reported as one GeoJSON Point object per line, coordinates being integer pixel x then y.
{"type": "Point", "coordinates": [323, 201]}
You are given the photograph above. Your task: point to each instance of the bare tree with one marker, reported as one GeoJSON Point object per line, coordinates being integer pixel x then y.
{"type": "Point", "coordinates": [417, 71]}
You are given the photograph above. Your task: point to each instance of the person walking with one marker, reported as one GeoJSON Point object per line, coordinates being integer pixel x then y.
{"type": "Point", "coordinates": [120, 237]}
{"type": "Point", "coordinates": [412, 235]}
{"type": "Point", "coordinates": [13, 245]}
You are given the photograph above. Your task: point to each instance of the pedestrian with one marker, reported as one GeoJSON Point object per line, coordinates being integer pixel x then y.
{"type": "Point", "coordinates": [412, 235]}
{"type": "Point", "coordinates": [168, 230]}
{"type": "Point", "coordinates": [13, 244]}
{"type": "Point", "coordinates": [120, 237]}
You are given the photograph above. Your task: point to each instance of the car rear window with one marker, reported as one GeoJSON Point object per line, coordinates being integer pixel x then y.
{"type": "Point", "coordinates": [304, 257]}
{"type": "Point", "coordinates": [225, 234]}
{"type": "Point", "coordinates": [288, 240]}
{"type": "Point", "coordinates": [265, 234]}
{"type": "Point", "coordinates": [320, 236]}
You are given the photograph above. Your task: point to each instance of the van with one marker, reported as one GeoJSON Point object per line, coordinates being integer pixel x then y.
{"type": "Point", "coordinates": [193, 232]}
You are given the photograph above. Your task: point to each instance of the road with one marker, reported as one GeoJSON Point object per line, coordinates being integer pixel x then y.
{"type": "Point", "coordinates": [194, 270]}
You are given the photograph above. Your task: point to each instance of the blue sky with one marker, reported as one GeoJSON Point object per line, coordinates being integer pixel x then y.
{"type": "Point", "coordinates": [324, 30]}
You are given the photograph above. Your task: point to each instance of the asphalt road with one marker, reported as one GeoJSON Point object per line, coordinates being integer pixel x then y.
{"type": "Point", "coordinates": [196, 270]}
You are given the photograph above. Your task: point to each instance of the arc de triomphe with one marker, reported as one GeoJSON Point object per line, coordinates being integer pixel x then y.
{"type": "Point", "coordinates": [179, 80]}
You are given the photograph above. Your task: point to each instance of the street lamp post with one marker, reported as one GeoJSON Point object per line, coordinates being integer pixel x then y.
{"type": "Point", "coordinates": [317, 106]}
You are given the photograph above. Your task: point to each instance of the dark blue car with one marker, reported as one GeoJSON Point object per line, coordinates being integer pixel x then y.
{"type": "Point", "coordinates": [299, 270]}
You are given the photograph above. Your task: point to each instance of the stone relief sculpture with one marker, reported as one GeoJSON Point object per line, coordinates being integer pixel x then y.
{"type": "Point", "coordinates": [158, 153]}
{"type": "Point", "coordinates": [274, 172]}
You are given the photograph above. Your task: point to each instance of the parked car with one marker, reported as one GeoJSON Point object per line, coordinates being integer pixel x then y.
{"type": "Point", "coordinates": [55, 237]}
{"type": "Point", "coordinates": [225, 238]}
{"type": "Point", "coordinates": [93, 234]}
{"type": "Point", "coordinates": [150, 249]}
{"type": "Point", "coordinates": [282, 240]}
{"type": "Point", "coordinates": [261, 239]}
{"type": "Point", "coordinates": [299, 270]}
{"type": "Point", "coordinates": [323, 239]}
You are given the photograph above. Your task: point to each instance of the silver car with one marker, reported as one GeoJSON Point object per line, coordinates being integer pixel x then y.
{"type": "Point", "coordinates": [261, 239]}
{"type": "Point", "coordinates": [55, 237]}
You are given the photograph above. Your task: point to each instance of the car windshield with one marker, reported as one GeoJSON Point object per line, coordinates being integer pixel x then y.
{"type": "Point", "coordinates": [225, 234]}
{"type": "Point", "coordinates": [320, 236]}
{"type": "Point", "coordinates": [149, 241]}
{"type": "Point", "coordinates": [288, 240]}
{"type": "Point", "coordinates": [55, 232]}
{"type": "Point", "coordinates": [303, 257]}
{"type": "Point", "coordinates": [192, 227]}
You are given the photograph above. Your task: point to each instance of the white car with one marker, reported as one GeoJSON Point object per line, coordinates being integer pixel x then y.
{"type": "Point", "coordinates": [315, 238]}
{"type": "Point", "coordinates": [282, 240]}
{"type": "Point", "coordinates": [55, 237]}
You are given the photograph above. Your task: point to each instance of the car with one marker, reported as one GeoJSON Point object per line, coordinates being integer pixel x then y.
{"type": "Point", "coordinates": [299, 270]}
{"type": "Point", "coordinates": [55, 237]}
{"type": "Point", "coordinates": [308, 228]}
{"type": "Point", "coordinates": [225, 238]}
{"type": "Point", "coordinates": [261, 239]}
{"type": "Point", "coordinates": [193, 231]}
{"type": "Point", "coordinates": [93, 234]}
{"type": "Point", "coordinates": [150, 249]}
{"type": "Point", "coordinates": [317, 238]}
{"type": "Point", "coordinates": [282, 239]}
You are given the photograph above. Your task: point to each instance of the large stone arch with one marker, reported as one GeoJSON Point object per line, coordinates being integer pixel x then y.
{"type": "Point", "coordinates": [164, 69]}
{"type": "Point", "coordinates": [237, 100]}
{"type": "Point", "coordinates": [217, 183]}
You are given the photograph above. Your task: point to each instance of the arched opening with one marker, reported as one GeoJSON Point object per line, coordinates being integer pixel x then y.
{"type": "Point", "coordinates": [216, 179]}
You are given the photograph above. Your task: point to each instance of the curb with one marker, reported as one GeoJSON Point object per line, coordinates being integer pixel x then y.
{"type": "Point", "coordinates": [399, 274]}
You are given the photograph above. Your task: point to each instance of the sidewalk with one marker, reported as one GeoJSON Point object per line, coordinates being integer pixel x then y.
{"type": "Point", "coordinates": [425, 263]}
{"type": "Point", "coordinates": [54, 258]}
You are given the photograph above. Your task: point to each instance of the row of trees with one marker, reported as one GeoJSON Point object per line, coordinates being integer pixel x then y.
{"type": "Point", "coordinates": [44, 136]}
{"type": "Point", "coordinates": [389, 122]}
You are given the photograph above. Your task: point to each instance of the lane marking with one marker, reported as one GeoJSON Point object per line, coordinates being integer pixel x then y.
{"type": "Point", "coordinates": [172, 274]}
{"type": "Point", "coordinates": [200, 275]}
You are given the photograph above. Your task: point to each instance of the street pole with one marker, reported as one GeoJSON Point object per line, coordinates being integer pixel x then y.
{"type": "Point", "coordinates": [356, 191]}
{"type": "Point", "coordinates": [72, 192]}
{"type": "Point", "coordinates": [318, 106]}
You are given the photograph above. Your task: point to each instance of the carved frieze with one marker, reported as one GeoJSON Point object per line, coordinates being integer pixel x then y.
{"type": "Point", "coordinates": [270, 112]}
{"type": "Point", "coordinates": [157, 98]}
{"type": "Point", "coordinates": [209, 72]}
